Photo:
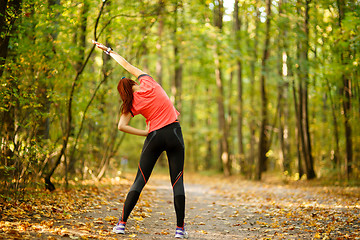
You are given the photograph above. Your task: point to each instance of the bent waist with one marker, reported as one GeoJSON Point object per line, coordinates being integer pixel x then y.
{"type": "Point", "coordinates": [174, 124]}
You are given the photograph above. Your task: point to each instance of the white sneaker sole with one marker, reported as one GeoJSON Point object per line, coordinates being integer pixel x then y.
{"type": "Point", "coordinates": [119, 231]}
{"type": "Point", "coordinates": [185, 235]}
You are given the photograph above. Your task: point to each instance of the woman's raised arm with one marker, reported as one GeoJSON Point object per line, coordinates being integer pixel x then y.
{"type": "Point", "coordinates": [122, 61]}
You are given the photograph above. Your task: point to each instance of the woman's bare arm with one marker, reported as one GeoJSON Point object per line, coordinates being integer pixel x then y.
{"type": "Point", "coordinates": [125, 127]}
{"type": "Point", "coordinates": [125, 64]}
{"type": "Point", "coordinates": [122, 61]}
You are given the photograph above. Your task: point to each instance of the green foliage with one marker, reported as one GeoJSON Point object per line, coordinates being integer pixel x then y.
{"type": "Point", "coordinates": [45, 52]}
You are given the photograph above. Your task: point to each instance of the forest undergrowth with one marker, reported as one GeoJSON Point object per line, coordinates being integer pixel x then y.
{"type": "Point", "coordinates": [216, 208]}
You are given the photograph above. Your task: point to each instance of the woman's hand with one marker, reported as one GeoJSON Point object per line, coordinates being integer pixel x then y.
{"type": "Point", "coordinates": [100, 45]}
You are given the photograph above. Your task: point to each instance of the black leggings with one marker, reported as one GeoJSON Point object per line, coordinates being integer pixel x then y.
{"type": "Point", "coordinates": [169, 139]}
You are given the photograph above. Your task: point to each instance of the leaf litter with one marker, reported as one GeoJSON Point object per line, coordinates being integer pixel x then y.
{"type": "Point", "coordinates": [216, 208]}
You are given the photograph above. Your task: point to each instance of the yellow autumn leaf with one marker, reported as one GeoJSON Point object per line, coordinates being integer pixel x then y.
{"type": "Point", "coordinates": [110, 218]}
{"type": "Point", "coordinates": [139, 218]}
{"type": "Point", "coordinates": [317, 235]}
{"type": "Point", "coordinates": [163, 232]}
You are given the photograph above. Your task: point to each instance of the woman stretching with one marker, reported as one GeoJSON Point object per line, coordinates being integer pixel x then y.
{"type": "Point", "coordinates": [163, 133]}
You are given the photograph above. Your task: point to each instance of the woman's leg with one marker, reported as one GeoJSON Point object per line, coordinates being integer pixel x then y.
{"type": "Point", "coordinates": [150, 153]}
{"type": "Point", "coordinates": [175, 152]}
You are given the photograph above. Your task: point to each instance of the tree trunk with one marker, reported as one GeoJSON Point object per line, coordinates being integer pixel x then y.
{"type": "Point", "coordinates": [348, 130]}
{"type": "Point", "coordinates": [229, 119]}
{"type": "Point", "coordinates": [208, 138]}
{"type": "Point", "coordinates": [192, 146]}
{"type": "Point", "coordinates": [159, 63]}
{"type": "Point", "coordinates": [336, 157]}
{"type": "Point", "coordinates": [303, 76]}
{"type": "Point", "coordinates": [178, 65]}
{"type": "Point", "coordinates": [237, 27]}
{"type": "Point", "coordinates": [347, 95]}
{"type": "Point", "coordinates": [159, 52]}
{"type": "Point", "coordinates": [283, 86]}
{"type": "Point", "coordinates": [264, 138]}
{"type": "Point", "coordinates": [223, 146]}
{"type": "Point", "coordinates": [224, 150]}
{"type": "Point", "coordinates": [310, 173]}
{"type": "Point", "coordinates": [299, 142]}
{"type": "Point", "coordinates": [283, 113]}
{"type": "Point", "coordinates": [250, 173]}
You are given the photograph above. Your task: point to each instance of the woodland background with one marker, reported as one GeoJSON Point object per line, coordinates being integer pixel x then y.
{"type": "Point", "coordinates": [262, 86]}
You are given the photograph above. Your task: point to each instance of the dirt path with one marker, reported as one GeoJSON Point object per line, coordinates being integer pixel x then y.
{"type": "Point", "coordinates": [216, 208]}
{"type": "Point", "coordinates": [248, 210]}
{"type": "Point", "coordinates": [215, 212]}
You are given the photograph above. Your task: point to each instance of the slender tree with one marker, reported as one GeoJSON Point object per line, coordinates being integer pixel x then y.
{"type": "Point", "coordinates": [178, 64]}
{"type": "Point", "coordinates": [208, 138]}
{"type": "Point", "coordinates": [347, 93]}
{"type": "Point", "coordinates": [282, 94]}
{"type": "Point", "coordinates": [160, 55]}
{"type": "Point", "coordinates": [303, 72]}
{"type": "Point", "coordinates": [264, 135]}
{"type": "Point", "coordinates": [224, 146]}
{"type": "Point", "coordinates": [238, 38]}
{"type": "Point", "coordinates": [252, 47]}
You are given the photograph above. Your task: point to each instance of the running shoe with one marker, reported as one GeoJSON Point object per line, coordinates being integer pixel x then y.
{"type": "Point", "coordinates": [119, 228]}
{"type": "Point", "coordinates": [181, 233]}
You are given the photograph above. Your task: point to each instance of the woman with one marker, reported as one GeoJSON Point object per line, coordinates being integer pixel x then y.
{"type": "Point", "coordinates": [163, 133]}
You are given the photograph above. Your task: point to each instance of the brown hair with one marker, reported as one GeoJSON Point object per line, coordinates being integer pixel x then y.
{"type": "Point", "coordinates": [125, 88]}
